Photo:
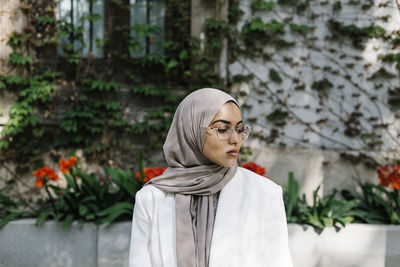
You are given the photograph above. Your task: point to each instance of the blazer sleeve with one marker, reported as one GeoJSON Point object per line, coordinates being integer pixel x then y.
{"type": "Point", "coordinates": [139, 253]}
{"type": "Point", "coordinates": [286, 257]}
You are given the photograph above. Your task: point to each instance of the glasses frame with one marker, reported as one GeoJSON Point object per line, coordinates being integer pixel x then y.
{"type": "Point", "coordinates": [230, 132]}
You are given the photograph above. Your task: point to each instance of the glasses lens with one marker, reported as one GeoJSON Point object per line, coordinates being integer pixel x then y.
{"type": "Point", "coordinates": [245, 131]}
{"type": "Point", "coordinates": [224, 133]}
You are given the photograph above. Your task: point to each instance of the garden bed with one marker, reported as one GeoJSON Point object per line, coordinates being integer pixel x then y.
{"type": "Point", "coordinates": [24, 244]}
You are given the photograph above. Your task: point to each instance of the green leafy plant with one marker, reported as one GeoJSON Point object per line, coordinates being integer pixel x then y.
{"type": "Point", "coordinates": [90, 198]}
{"type": "Point", "coordinates": [375, 204]}
{"type": "Point", "coordinates": [324, 212]}
{"type": "Point", "coordinates": [274, 75]}
{"type": "Point", "coordinates": [261, 5]}
{"type": "Point", "coordinates": [10, 208]}
{"type": "Point", "coordinates": [356, 34]}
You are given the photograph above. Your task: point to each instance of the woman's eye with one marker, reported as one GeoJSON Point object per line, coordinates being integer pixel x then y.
{"type": "Point", "coordinates": [222, 130]}
{"type": "Point", "coordinates": [240, 130]}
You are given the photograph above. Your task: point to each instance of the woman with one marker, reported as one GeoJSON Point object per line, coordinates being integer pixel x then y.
{"type": "Point", "coordinates": [205, 211]}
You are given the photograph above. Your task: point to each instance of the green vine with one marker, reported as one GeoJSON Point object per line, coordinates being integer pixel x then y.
{"type": "Point", "coordinates": [87, 90]}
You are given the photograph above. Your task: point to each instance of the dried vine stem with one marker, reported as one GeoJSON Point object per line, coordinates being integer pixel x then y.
{"type": "Point", "coordinates": [307, 125]}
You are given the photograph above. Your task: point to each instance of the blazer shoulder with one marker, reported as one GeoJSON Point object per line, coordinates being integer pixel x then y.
{"type": "Point", "coordinates": [151, 193]}
{"type": "Point", "coordinates": [259, 182]}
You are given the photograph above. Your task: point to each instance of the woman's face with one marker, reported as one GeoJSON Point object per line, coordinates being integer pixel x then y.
{"type": "Point", "coordinates": [224, 152]}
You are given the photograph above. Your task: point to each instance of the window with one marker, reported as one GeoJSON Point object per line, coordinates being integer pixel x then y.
{"type": "Point", "coordinates": [149, 12]}
{"type": "Point", "coordinates": [101, 19]}
{"type": "Point", "coordinates": [74, 12]}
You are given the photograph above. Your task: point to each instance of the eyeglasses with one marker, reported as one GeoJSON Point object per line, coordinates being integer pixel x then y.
{"type": "Point", "coordinates": [226, 132]}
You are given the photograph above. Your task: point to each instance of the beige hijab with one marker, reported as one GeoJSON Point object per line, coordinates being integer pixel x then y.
{"type": "Point", "coordinates": [193, 178]}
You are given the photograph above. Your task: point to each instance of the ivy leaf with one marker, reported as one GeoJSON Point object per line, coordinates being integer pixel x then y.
{"type": "Point", "coordinates": [257, 24]}
{"type": "Point", "coordinates": [273, 75]}
{"type": "Point", "coordinates": [183, 55]}
{"type": "Point", "coordinates": [275, 27]}
{"type": "Point", "coordinates": [149, 90]}
{"type": "Point", "coordinates": [70, 126]}
{"type": "Point", "coordinates": [17, 59]}
{"type": "Point", "coordinates": [15, 80]}
{"type": "Point", "coordinates": [2, 85]}
{"type": "Point", "coordinates": [32, 120]}
{"type": "Point", "coordinates": [171, 64]}
{"type": "Point", "coordinates": [112, 105]}
{"type": "Point", "coordinates": [4, 144]}
{"type": "Point", "coordinates": [112, 85]}
{"type": "Point", "coordinates": [298, 28]}
{"type": "Point", "coordinates": [259, 5]}
{"type": "Point", "coordinates": [15, 38]}
{"type": "Point", "coordinates": [143, 30]}
{"type": "Point", "coordinates": [46, 20]}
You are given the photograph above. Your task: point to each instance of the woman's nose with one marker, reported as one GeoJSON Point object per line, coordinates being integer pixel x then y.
{"type": "Point", "coordinates": [235, 138]}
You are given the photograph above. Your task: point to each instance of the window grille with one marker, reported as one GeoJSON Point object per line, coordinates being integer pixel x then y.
{"type": "Point", "coordinates": [150, 12]}
{"type": "Point", "coordinates": [72, 11]}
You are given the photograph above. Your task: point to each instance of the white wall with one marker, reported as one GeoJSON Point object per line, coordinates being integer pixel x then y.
{"type": "Point", "coordinates": [313, 58]}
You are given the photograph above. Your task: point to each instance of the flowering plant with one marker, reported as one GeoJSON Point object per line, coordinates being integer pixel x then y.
{"type": "Point", "coordinates": [87, 197]}
{"type": "Point", "coordinates": [43, 175]}
{"type": "Point", "coordinates": [146, 174]}
{"type": "Point", "coordinates": [390, 174]}
{"type": "Point", "coordinates": [377, 203]}
{"type": "Point", "coordinates": [150, 172]}
{"type": "Point", "coordinates": [65, 165]}
{"type": "Point", "coordinates": [255, 168]}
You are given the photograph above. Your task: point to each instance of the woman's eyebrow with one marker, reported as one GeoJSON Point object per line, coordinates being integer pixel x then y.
{"type": "Point", "coordinates": [226, 122]}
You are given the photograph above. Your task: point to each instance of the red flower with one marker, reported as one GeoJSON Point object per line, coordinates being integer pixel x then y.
{"type": "Point", "coordinates": [396, 183]}
{"type": "Point", "coordinates": [65, 165]}
{"type": "Point", "coordinates": [150, 173]}
{"type": "Point", "coordinates": [390, 174]}
{"type": "Point", "coordinates": [255, 168]}
{"type": "Point", "coordinates": [43, 174]}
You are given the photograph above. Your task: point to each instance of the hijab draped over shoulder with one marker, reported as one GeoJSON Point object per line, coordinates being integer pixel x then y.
{"type": "Point", "coordinates": [192, 177]}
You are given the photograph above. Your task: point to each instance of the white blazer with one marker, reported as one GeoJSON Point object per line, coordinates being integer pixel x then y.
{"type": "Point", "coordinates": [250, 227]}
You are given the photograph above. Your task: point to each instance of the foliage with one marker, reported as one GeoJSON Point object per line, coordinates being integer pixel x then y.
{"type": "Point", "coordinates": [92, 115]}
{"type": "Point", "coordinates": [261, 5]}
{"type": "Point", "coordinates": [302, 29]}
{"type": "Point", "coordinates": [375, 204]}
{"type": "Point", "coordinates": [274, 76]}
{"type": "Point", "coordinates": [110, 197]}
{"type": "Point", "coordinates": [90, 198]}
{"type": "Point", "coordinates": [322, 86]}
{"type": "Point", "coordinates": [356, 34]}
{"type": "Point", "coordinates": [10, 209]}
{"type": "Point", "coordinates": [325, 211]}
{"type": "Point", "coordinates": [270, 37]}
{"type": "Point", "coordinates": [278, 117]}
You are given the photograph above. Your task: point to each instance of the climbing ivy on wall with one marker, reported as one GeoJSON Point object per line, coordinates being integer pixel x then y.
{"type": "Point", "coordinates": [312, 73]}
{"type": "Point", "coordinates": [69, 100]}
{"type": "Point", "coordinates": [315, 81]}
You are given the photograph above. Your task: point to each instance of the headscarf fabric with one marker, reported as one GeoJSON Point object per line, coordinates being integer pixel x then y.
{"type": "Point", "coordinates": [192, 177]}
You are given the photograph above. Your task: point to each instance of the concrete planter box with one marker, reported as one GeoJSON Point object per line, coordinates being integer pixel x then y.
{"type": "Point", "coordinates": [357, 245]}
{"type": "Point", "coordinates": [23, 244]}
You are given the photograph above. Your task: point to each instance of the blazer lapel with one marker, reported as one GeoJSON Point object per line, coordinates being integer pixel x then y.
{"type": "Point", "coordinates": [225, 244]}
{"type": "Point", "coordinates": [167, 231]}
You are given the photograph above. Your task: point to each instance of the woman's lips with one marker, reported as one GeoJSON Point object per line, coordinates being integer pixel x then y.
{"type": "Point", "coordinates": [233, 153]}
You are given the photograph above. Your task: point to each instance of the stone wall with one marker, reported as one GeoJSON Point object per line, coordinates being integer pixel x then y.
{"type": "Point", "coordinates": [11, 20]}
